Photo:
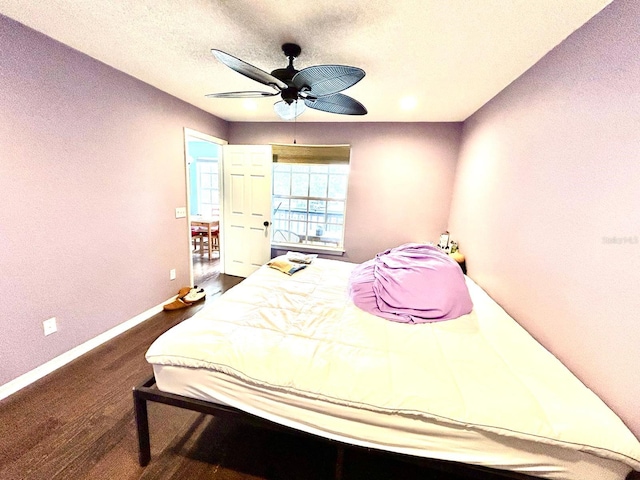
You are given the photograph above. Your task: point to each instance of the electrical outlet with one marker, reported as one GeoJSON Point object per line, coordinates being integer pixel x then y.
{"type": "Point", "coordinates": [50, 326]}
{"type": "Point", "coordinates": [172, 274]}
{"type": "Point", "coordinates": [181, 212]}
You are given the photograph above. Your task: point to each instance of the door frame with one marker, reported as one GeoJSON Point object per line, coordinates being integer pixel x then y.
{"type": "Point", "coordinates": [190, 133]}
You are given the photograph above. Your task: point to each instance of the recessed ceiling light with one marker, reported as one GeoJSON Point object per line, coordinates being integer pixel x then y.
{"type": "Point", "coordinates": [408, 103]}
{"type": "Point", "coordinates": [250, 105]}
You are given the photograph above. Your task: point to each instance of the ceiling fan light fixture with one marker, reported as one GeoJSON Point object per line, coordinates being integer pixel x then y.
{"type": "Point", "coordinates": [289, 111]}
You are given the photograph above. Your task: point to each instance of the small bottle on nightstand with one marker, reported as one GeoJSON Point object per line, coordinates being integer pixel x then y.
{"type": "Point", "coordinates": [458, 257]}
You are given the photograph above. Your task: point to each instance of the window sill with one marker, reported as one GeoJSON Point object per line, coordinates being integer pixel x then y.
{"type": "Point", "coordinates": [305, 248]}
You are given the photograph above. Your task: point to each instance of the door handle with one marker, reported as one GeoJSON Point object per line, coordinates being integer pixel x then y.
{"type": "Point", "coordinates": [266, 224]}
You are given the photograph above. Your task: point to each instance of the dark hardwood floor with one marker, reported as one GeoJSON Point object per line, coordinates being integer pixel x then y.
{"type": "Point", "coordinates": [78, 423]}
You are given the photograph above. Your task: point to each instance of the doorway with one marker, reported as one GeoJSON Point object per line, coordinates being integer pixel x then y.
{"type": "Point", "coordinates": [203, 164]}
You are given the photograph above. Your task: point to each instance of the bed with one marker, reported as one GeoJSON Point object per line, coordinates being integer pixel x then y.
{"type": "Point", "coordinates": [295, 351]}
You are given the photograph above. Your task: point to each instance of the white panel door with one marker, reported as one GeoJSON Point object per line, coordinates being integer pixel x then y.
{"type": "Point", "coordinates": [247, 208]}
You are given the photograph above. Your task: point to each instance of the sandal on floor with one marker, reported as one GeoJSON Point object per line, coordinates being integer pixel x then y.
{"type": "Point", "coordinates": [184, 290]}
{"type": "Point", "coordinates": [195, 295]}
{"type": "Point", "coordinates": [177, 304]}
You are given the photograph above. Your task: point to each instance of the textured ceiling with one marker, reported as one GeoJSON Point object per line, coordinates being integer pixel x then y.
{"type": "Point", "coordinates": [451, 56]}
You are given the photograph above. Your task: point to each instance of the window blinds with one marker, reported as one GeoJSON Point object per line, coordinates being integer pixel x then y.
{"type": "Point", "coordinates": [319, 154]}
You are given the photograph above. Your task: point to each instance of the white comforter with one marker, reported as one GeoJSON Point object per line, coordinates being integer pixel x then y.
{"type": "Point", "coordinates": [301, 334]}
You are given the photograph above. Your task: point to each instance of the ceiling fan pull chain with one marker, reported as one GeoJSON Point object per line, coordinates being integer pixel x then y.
{"type": "Point", "coordinates": [295, 124]}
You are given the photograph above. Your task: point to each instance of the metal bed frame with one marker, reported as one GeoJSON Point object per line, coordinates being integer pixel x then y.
{"type": "Point", "coordinates": [147, 391]}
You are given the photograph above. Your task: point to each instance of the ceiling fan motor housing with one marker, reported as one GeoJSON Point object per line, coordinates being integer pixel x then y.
{"type": "Point", "coordinates": [285, 74]}
{"type": "Point", "coordinates": [290, 95]}
{"type": "Point", "coordinates": [291, 51]}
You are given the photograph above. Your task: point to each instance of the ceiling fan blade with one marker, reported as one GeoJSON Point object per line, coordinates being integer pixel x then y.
{"type": "Point", "coordinates": [288, 111]}
{"type": "Point", "coordinates": [247, 94]}
{"type": "Point", "coordinates": [327, 79]}
{"type": "Point", "coordinates": [337, 103]}
{"type": "Point", "coordinates": [254, 73]}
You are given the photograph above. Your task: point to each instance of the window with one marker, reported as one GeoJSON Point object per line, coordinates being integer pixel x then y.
{"type": "Point", "coordinates": [309, 200]}
{"type": "Point", "coordinates": [208, 190]}
{"type": "Point", "coordinates": [203, 157]}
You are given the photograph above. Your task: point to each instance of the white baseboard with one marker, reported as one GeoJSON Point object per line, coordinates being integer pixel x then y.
{"type": "Point", "coordinates": [37, 373]}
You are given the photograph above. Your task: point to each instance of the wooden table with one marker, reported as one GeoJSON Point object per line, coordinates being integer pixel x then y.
{"type": "Point", "coordinates": [211, 223]}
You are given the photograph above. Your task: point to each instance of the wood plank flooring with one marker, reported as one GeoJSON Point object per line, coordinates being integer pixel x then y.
{"type": "Point", "coordinates": [78, 423]}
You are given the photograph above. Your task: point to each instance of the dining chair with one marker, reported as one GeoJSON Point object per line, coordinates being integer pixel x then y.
{"type": "Point", "coordinates": [200, 235]}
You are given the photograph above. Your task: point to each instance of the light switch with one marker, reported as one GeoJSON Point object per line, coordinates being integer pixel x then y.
{"type": "Point", "coordinates": [181, 212]}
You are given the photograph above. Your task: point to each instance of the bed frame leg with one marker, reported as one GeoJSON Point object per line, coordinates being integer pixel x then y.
{"type": "Point", "coordinates": [142, 424]}
{"type": "Point", "coordinates": [339, 462]}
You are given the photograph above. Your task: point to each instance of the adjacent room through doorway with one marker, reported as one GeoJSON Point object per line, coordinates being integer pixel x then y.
{"type": "Point", "coordinates": [203, 163]}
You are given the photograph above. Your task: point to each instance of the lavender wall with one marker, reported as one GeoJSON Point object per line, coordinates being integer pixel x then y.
{"type": "Point", "coordinates": [400, 181]}
{"type": "Point", "coordinates": [91, 170]}
{"type": "Point", "coordinates": [546, 203]}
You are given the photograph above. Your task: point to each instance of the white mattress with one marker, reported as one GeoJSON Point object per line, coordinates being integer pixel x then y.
{"type": "Point", "coordinates": [478, 389]}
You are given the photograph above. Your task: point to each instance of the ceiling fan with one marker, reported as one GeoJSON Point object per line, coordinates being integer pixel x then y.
{"type": "Point", "coordinates": [315, 87]}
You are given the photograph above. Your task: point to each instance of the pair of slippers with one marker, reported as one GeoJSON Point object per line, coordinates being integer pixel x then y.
{"type": "Point", "coordinates": [187, 296]}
